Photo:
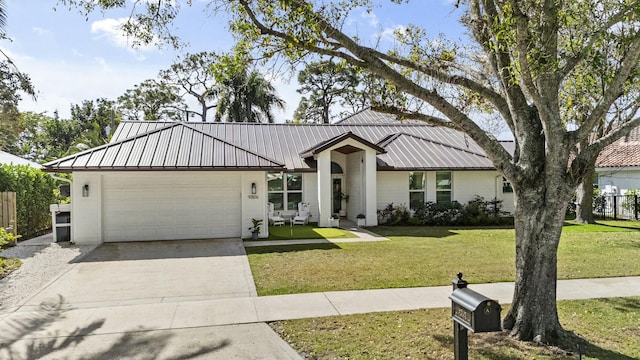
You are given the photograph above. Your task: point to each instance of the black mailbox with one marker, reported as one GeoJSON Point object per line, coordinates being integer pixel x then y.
{"type": "Point", "coordinates": [475, 311]}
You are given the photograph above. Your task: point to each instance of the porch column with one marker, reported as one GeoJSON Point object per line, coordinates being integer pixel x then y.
{"type": "Point", "coordinates": [370, 187]}
{"type": "Point", "coordinates": [324, 187]}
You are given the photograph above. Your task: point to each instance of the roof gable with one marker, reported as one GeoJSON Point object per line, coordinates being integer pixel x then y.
{"type": "Point", "coordinates": [174, 146]}
{"type": "Point", "coordinates": [326, 144]}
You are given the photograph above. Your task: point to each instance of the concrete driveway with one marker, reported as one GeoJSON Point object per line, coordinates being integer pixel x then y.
{"type": "Point", "coordinates": [127, 300]}
{"type": "Point", "coordinates": [154, 272]}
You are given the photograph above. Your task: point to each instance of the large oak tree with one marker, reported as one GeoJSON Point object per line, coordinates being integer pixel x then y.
{"type": "Point", "coordinates": [535, 63]}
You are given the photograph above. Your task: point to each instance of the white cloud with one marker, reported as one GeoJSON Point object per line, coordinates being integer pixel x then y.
{"type": "Point", "coordinates": [60, 83]}
{"type": "Point", "coordinates": [40, 31]}
{"type": "Point", "coordinates": [371, 18]}
{"type": "Point", "coordinates": [389, 33]}
{"type": "Point", "coordinates": [111, 30]}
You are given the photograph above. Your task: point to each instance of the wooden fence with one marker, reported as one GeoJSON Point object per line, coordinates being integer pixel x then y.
{"type": "Point", "coordinates": [8, 212]}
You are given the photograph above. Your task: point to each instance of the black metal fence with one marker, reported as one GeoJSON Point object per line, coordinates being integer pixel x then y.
{"type": "Point", "coordinates": [623, 207]}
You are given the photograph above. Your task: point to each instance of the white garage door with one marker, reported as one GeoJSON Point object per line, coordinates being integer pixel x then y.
{"type": "Point", "coordinates": [170, 206]}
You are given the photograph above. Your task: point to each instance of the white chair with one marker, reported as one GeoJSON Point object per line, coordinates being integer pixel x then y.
{"type": "Point", "coordinates": [274, 219]}
{"type": "Point", "coordinates": [303, 214]}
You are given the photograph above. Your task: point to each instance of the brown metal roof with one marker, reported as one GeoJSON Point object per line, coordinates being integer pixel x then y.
{"type": "Point", "coordinates": [323, 145]}
{"type": "Point", "coordinates": [370, 117]}
{"type": "Point", "coordinates": [285, 142]}
{"type": "Point", "coordinates": [175, 146]}
{"type": "Point", "coordinates": [410, 152]}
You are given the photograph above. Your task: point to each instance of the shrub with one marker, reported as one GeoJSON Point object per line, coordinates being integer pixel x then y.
{"type": "Point", "coordinates": [394, 215]}
{"type": "Point", "coordinates": [34, 192]}
{"type": "Point", "coordinates": [432, 213]}
{"type": "Point", "coordinates": [475, 212]}
{"type": "Point", "coordinates": [7, 238]}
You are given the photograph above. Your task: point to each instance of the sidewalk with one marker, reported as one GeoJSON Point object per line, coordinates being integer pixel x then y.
{"type": "Point", "coordinates": [249, 310]}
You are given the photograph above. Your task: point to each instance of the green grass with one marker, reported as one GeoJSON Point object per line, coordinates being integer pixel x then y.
{"type": "Point", "coordinates": [610, 327]}
{"type": "Point", "coordinates": [7, 265]}
{"type": "Point", "coordinates": [287, 232]}
{"type": "Point", "coordinates": [429, 256]}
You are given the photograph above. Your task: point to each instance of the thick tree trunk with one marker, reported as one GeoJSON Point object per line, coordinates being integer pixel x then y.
{"type": "Point", "coordinates": [584, 199]}
{"type": "Point", "coordinates": [538, 223]}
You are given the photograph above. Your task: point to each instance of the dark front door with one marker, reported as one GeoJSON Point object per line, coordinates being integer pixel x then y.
{"type": "Point", "coordinates": [337, 195]}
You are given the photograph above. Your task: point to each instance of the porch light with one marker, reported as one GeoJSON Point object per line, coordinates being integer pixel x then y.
{"type": "Point", "coordinates": [85, 190]}
{"type": "Point", "coordinates": [254, 189]}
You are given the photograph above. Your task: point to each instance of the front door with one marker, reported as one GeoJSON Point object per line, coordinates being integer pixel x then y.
{"type": "Point", "coordinates": [337, 195]}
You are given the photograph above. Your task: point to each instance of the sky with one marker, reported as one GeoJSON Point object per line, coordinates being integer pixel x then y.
{"type": "Point", "coordinates": [71, 58]}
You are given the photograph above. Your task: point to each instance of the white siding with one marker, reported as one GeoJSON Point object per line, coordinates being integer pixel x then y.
{"type": "Point", "coordinates": [166, 205]}
{"type": "Point", "coordinates": [310, 193]}
{"type": "Point", "coordinates": [393, 187]}
{"type": "Point", "coordinates": [623, 179]}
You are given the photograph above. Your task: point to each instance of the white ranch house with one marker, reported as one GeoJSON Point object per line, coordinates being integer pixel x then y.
{"type": "Point", "coordinates": [174, 180]}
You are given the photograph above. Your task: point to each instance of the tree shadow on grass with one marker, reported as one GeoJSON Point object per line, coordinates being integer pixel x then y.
{"type": "Point", "coordinates": [500, 346]}
{"type": "Point", "coordinates": [290, 248]}
{"type": "Point", "coordinates": [25, 336]}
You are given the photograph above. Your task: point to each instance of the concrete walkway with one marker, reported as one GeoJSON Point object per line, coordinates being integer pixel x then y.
{"type": "Point", "coordinates": [249, 310]}
{"type": "Point", "coordinates": [362, 235]}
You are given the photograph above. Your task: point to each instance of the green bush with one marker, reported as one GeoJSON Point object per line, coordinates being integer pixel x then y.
{"type": "Point", "coordinates": [7, 238]}
{"type": "Point", "coordinates": [475, 213]}
{"type": "Point", "coordinates": [34, 192]}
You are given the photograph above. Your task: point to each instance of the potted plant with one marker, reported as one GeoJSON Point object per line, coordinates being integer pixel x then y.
{"type": "Point", "coordinates": [362, 219]}
{"type": "Point", "coordinates": [256, 224]}
{"type": "Point", "coordinates": [334, 220]}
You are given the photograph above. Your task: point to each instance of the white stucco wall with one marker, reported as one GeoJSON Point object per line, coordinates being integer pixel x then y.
{"type": "Point", "coordinates": [310, 193]}
{"type": "Point", "coordinates": [87, 212]}
{"type": "Point", "coordinates": [393, 187]}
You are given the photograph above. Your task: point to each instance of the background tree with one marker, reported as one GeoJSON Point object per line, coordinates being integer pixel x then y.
{"type": "Point", "coordinates": [324, 82]}
{"type": "Point", "coordinates": [12, 85]}
{"type": "Point", "coordinates": [246, 96]}
{"type": "Point", "coordinates": [526, 58]}
{"type": "Point", "coordinates": [152, 101]}
{"type": "Point", "coordinates": [193, 75]}
{"type": "Point", "coordinates": [97, 120]}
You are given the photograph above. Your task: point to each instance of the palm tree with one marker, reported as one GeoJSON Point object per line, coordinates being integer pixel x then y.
{"type": "Point", "coordinates": [247, 97]}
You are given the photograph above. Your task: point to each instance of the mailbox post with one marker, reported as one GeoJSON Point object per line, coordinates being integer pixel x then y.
{"type": "Point", "coordinates": [471, 311]}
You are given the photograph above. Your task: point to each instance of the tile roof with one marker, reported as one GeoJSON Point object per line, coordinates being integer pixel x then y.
{"type": "Point", "coordinates": [624, 152]}
{"type": "Point", "coordinates": [174, 146]}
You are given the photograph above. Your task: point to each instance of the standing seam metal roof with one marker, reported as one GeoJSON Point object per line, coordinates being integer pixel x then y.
{"type": "Point", "coordinates": [174, 146]}
{"type": "Point", "coordinates": [278, 145]}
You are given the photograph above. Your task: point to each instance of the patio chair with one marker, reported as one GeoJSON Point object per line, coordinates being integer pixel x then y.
{"type": "Point", "coordinates": [274, 219]}
{"type": "Point", "coordinates": [302, 217]}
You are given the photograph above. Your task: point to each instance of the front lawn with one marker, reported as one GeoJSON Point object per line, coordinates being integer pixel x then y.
{"type": "Point", "coordinates": [611, 327]}
{"type": "Point", "coordinates": [429, 256]}
{"type": "Point", "coordinates": [311, 231]}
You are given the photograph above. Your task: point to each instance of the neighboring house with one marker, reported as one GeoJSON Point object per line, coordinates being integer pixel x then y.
{"type": "Point", "coordinates": [618, 165]}
{"type": "Point", "coordinates": [6, 158]}
{"type": "Point", "coordinates": [159, 180]}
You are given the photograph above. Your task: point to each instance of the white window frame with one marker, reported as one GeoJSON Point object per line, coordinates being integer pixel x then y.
{"type": "Point", "coordinates": [414, 191]}
{"type": "Point", "coordinates": [449, 190]}
{"type": "Point", "coordinates": [285, 191]}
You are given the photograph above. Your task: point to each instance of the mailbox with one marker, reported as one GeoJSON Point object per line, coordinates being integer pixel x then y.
{"type": "Point", "coordinates": [475, 311]}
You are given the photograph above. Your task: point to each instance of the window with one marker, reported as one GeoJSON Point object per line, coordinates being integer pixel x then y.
{"type": "Point", "coordinates": [282, 193]}
{"type": "Point", "coordinates": [506, 186]}
{"type": "Point", "coordinates": [416, 189]}
{"type": "Point", "coordinates": [443, 187]}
